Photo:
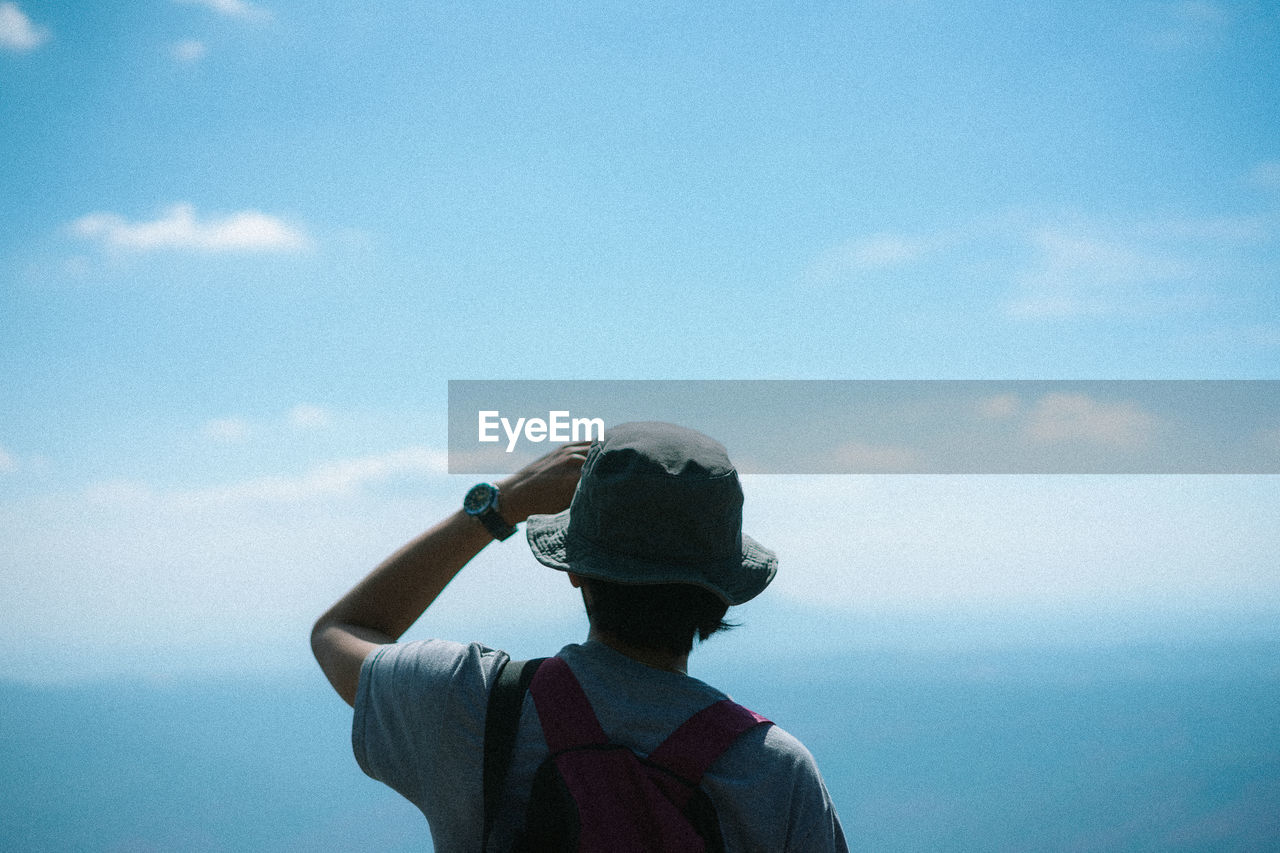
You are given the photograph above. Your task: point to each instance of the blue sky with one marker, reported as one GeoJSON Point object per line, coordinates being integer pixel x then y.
{"type": "Point", "coordinates": [245, 245]}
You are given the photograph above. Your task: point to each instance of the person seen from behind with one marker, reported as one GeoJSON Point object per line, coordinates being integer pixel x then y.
{"type": "Point", "coordinates": [610, 744]}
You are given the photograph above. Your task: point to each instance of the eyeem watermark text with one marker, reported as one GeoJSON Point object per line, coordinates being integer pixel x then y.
{"type": "Point", "coordinates": [893, 426]}
{"type": "Point", "coordinates": [558, 427]}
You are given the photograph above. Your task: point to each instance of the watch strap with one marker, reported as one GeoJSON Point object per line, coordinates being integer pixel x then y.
{"type": "Point", "coordinates": [496, 524]}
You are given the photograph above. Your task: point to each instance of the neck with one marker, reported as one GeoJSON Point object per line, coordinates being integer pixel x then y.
{"type": "Point", "coordinates": [649, 657]}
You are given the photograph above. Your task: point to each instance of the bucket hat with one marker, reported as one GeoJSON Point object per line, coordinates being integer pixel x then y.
{"type": "Point", "coordinates": [656, 503]}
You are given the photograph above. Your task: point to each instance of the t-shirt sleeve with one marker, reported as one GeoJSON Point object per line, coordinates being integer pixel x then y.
{"type": "Point", "coordinates": [814, 826]}
{"type": "Point", "coordinates": [419, 721]}
{"type": "Point", "coordinates": [772, 797]}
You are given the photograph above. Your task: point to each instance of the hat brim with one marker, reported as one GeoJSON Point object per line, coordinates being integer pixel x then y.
{"type": "Point", "coordinates": [735, 580]}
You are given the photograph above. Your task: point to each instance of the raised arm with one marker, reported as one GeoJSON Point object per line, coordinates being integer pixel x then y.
{"type": "Point", "coordinates": [380, 608]}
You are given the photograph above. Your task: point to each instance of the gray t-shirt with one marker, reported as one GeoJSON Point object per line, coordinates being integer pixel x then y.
{"type": "Point", "coordinates": [419, 728]}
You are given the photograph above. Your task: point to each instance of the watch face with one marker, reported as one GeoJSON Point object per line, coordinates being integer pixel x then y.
{"type": "Point", "coordinates": [478, 499]}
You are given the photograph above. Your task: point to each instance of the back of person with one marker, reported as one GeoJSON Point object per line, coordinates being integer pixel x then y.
{"type": "Point", "coordinates": [653, 538]}
{"type": "Point", "coordinates": [417, 698]}
{"type": "Point", "coordinates": [765, 788]}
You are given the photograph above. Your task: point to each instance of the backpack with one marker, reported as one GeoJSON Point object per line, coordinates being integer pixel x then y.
{"type": "Point", "coordinates": [594, 795]}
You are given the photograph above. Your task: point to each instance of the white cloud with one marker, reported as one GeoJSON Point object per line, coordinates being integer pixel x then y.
{"type": "Point", "coordinates": [1073, 266]}
{"type": "Point", "coordinates": [1189, 24]}
{"type": "Point", "coordinates": [999, 406]}
{"type": "Point", "coordinates": [878, 251]}
{"type": "Point", "coordinates": [329, 479]}
{"type": "Point", "coordinates": [137, 578]}
{"type": "Point", "coordinates": [1266, 440]}
{"type": "Point", "coordinates": [884, 250]}
{"type": "Point", "coordinates": [1077, 417]}
{"type": "Point", "coordinates": [231, 429]}
{"type": "Point", "coordinates": [337, 478]}
{"type": "Point", "coordinates": [230, 8]}
{"type": "Point", "coordinates": [119, 493]}
{"type": "Point", "coordinates": [306, 416]}
{"type": "Point", "coordinates": [874, 458]}
{"type": "Point", "coordinates": [1078, 274]}
{"type": "Point", "coordinates": [190, 50]}
{"type": "Point", "coordinates": [179, 228]}
{"type": "Point", "coordinates": [971, 541]}
{"type": "Point", "coordinates": [1266, 175]}
{"type": "Point", "coordinates": [17, 32]}
{"type": "Point", "coordinates": [226, 430]}
{"type": "Point", "coordinates": [131, 577]}
{"type": "Point", "coordinates": [1219, 232]}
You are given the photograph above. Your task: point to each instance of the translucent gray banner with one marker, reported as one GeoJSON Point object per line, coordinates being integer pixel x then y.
{"type": "Point", "coordinates": [891, 426]}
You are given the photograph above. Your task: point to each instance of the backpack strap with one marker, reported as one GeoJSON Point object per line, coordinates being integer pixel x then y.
{"type": "Point", "coordinates": [691, 749]}
{"type": "Point", "coordinates": [563, 709]}
{"type": "Point", "coordinates": [501, 723]}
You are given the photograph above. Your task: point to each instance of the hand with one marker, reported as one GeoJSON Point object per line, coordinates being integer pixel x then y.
{"type": "Point", "coordinates": [544, 486]}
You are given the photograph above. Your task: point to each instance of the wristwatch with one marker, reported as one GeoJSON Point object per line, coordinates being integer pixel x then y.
{"type": "Point", "coordinates": [482, 503]}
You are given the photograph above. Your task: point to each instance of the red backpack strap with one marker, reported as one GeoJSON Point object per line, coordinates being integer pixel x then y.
{"type": "Point", "coordinates": [563, 709]}
{"type": "Point", "coordinates": [701, 739]}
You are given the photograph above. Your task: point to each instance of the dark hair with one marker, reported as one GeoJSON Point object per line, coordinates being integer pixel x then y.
{"type": "Point", "coordinates": [662, 617]}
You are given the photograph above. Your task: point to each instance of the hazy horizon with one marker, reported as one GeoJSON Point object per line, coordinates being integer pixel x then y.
{"type": "Point", "coordinates": [1134, 747]}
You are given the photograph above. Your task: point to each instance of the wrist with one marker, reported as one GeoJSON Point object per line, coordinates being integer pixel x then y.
{"type": "Point", "coordinates": [511, 505]}
{"type": "Point", "coordinates": [485, 503]}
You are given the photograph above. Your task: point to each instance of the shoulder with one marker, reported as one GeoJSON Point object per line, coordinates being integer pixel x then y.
{"type": "Point", "coordinates": [408, 690]}
{"type": "Point", "coordinates": [774, 794]}
{"type": "Point", "coordinates": [425, 662]}
{"type": "Point", "coordinates": [419, 723]}
{"type": "Point", "coordinates": [427, 673]}
{"type": "Point", "coordinates": [774, 747]}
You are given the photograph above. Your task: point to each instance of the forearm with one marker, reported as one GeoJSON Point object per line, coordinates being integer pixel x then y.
{"type": "Point", "coordinates": [391, 598]}
{"type": "Point", "coordinates": [395, 594]}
